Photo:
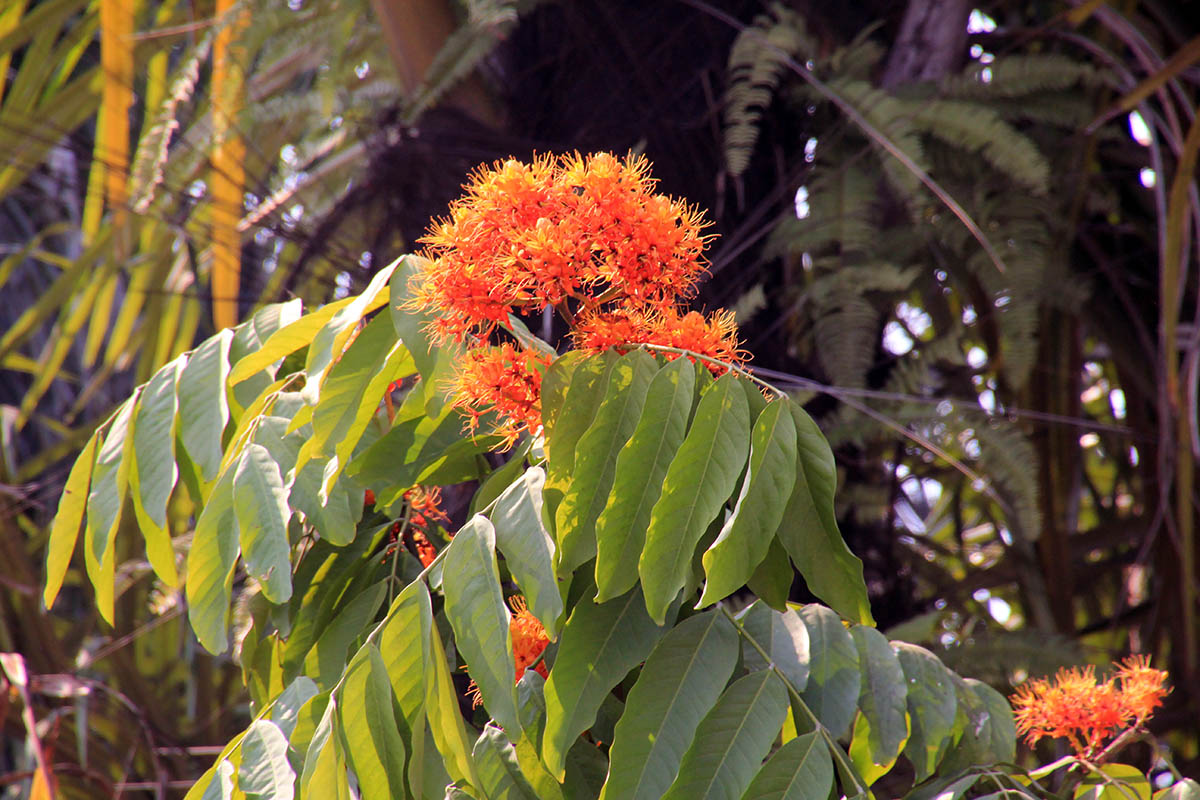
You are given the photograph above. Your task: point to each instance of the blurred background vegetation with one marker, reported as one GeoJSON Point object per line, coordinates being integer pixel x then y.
{"type": "Point", "coordinates": [967, 232]}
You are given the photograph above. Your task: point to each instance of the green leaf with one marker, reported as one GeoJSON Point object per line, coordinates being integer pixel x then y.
{"type": "Point", "coordinates": [374, 748]}
{"type": "Point", "coordinates": [800, 770]}
{"type": "Point", "coordinates": [215, 784]}
{"type": "Point", "coordinates": [679, 684]}
{"type": "Point", "coordinates": [747, 535]}
{"type": "Point", "coordinates": [500, 772]}
{"type": "Point", "coordinates": [500, 478]}
{"type": "Point", "coordinates": [733, 740]}
{"type": "Point", "coordinates": [772, 579]}
{"type": "Point", "coordinates": [203, 405]}
{"type": "Point", "coordinates": [153, 473]}
{"type": "Point", "coordinates": [1114, 782]}
{"type": "Point", "coordinates": [1003, 742]}
{"type": "Point", "coordinates": [476, 610]}
{"type": "Point", "coordinates": [567, 421]}
{"type": "Point", "coordinates": [350, 397]}
{"type": "Point", "coordinates": [445, 720]}
{"type": "Point", "coordinates": [210, 563]}
{"type": "Point", "coordinates": [265, 770]}
{"type": "Point", "coordinates": [64, 533]}
{"type": "Point", "coordinates": [932, 707]}
{"type": "Point", "coordinates": [641, 466]}
{"type": "Point", "coordinates": [327, 660]}
{"type": "Point", "coordinates": [784, 636]}
{"type": "Point", "coordinates": [698, 482]}
{"type": "Point", "coordinates": [248, 338]}
{"type": "Point", "coordinates": [285, 341]}
{"type": "Point", "coordinates": [324, 773]}
{"type": "Point", "coordinates": [596, 458]}
{"type": "Point", "coordinates": [329, 343]}
{"type": "Point", "coordinates": [527, 547]}
{"type": "Point", "coordinates": [260, 505]}
{"type": "Point", "coordinates": [286, 711]}
{"type": "Point", "coordinates": [972, 730]}
{"type": "Point", "coordinates": [105, 501]}
{"type": "Point", "coordinates": [555, 384]}
{"type": "Point", "coordinates": [883, 695]}
{"type": "Point", "coordinates": [600, 644]}
{"type": "Point", "coordinates": [809, 530]}
{"type": "Point", "coordinates": [410, 325]}
{"type": "Point", "coordinates": [834, 678]}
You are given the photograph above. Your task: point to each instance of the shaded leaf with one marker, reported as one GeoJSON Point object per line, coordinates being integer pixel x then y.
{"type": "Point", "coordinates": [783, 635]}
{"type": "Point", "coordinates": [527, 547]}
{"type": "Point", "coordinates": [732, 740]}
{"type": "Point", "coordinates": [809, 530]}
{"type": "Point", "coordinates": [600, 644]}
{"type": "Point", "coordinates": [834, 677]}
{"type": "Point", "coordinates": [499, 770]}
{"type": "Point", "coordinates": [698, 482]}
{"type": "Point", "coordinates": [800, 770]}
{"type": "Point", "coordinates": [374, 748]}
{"type": "Point", "coordinates": [203, 406]}
{"type": "Point", "coordinates": [260, 505]}
{"type": "Point", "coordinates": [153, 472]}
{"type": "Point", "coordinates": [747, 535]}
{"type": "Point", "coordinates": [265, 770]}
{"type": "Point", "coordinates": [476, 610]}
{"type": "Point", "coordinates": [641, 466]}
{"type": "Point", "coordinates": [883, 696]}
{"type": "Point", "coordinates": [682, 679]}
{"type": "Point", "coordinates": [932, 707]}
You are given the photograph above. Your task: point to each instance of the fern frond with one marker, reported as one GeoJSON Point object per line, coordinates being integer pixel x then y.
{"type": "Point", "coordinates": [1020, 76]}
{"type": "Point", "coordinates": [756, 64]}
{"type": "Point", "coordinates": [978, 129]}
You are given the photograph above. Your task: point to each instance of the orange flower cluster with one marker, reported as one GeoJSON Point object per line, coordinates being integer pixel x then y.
{"type": "Point", "coordinates": [529, 641]}
{"type": "Point", "coordinates": [586, 235]}
{"type": "Point", "coordinates": [1087, 713]}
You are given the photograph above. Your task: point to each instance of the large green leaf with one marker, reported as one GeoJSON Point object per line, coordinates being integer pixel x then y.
{"type": "Point", "coordinates": [476, 610]}
{"type": "Point", "coordinates": [105, 501]}
{"type": "Point", "coordinates": [409, 324]}
{"type": "Point", "coordinates": [324, 773]}
{"type": "Point", "coordinates": [972, 730]}
{"type": "Point", "coordinates": [698, 482]}
{"type": "Point", "coordinates": [527, 547]}
{"type": "Point", "coordinates": [641, 466]}
{"type": "Point", "coordinates": [329, 343]}
{"type": "Point", "coordinates": [733, 740]}
{"type": "Point", "coordinates": [882, 698]}
{"type": "Point", "coordinates": [445, 719]}
{"type": "Point", "coordinates": [679, 684]}
{"type": "Point", "coordinates": [350, 397]}
{"type": "Point", "coordinates": [809, 529]}
{"type": "Point", "coordinates": [265, 770]}
{"type": "Point", "coordinates": [568, 420]}
{"type": "Point", "coordinates": [834, 677]}
{"type": "Point", "coordinates": [499, 770]}
{"type": "Point", "coordinates": [327, 660]}
{"type": "Point", "coordinates": [203, 405]}
{"type": "Point", "coordinates": [210, 563]}
{"type": "Point", "coordinates": [932, 707]}
{"type": "Point", "coordinates": [285, 341]}
{"type": "Point", "coordinates": [600, 644]}
{"type": "Point", "coordinates": [153, 473]}
{"type": "Point", "coordinates": [64, 533]}
{"type": "Point", "coordinates": [374, 748]}
{"type": "Point", "coordinates": [260, 505]}
{"type": "Point", "coordinates": [784, 638]}
{"type": "Point", "coordinates": [596, 458]}
{"type": "Point", "coordinates": [800, 770]}
{"type": "Point", "coordinates": [772, 579]}
{"type": "Point", "coordinates": [1002, 729]}
{"type": "Point", "coordinates": [744, 540]}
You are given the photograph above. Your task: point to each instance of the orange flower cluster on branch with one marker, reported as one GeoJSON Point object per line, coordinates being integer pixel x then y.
{"type": "Point", "coordinates": [585, 235]}
{"type": "Point", "coordinates": [529, 641]}
{"type": "Point", "coordinates": [1088, 713]}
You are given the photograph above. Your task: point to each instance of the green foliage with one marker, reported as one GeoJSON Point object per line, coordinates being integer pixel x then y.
{"type": "Point", "coordinates": [357, 693]}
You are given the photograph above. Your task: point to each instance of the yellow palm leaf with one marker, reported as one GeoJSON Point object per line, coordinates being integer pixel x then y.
{"type": "Point", "coordinates": [228, 170]}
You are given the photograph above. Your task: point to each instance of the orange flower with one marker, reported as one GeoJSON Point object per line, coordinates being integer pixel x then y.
{"type": "Point", "coordinates": [1088, 714]}
{"type": "Point", "coordinates": [529, 641]}
{"type": "Point", "coordinates": [505, 380]}
{"type": "Point", "coordinates": [425, 502]}
{"type": "Point", "coordinates": [714, 336]}
{"type": "Point", "coordinates": [1142, 688]}
{"type": "Point", "coordinates": [529, 638]}
{"type": "Point", "coordinates": [525, 236]}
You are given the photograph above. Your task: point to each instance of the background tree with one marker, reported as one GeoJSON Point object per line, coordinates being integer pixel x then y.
{"type": "Point", "coordinates": [1013, 411]}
